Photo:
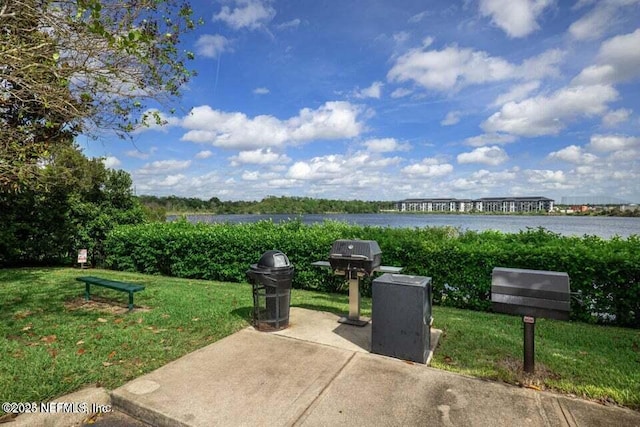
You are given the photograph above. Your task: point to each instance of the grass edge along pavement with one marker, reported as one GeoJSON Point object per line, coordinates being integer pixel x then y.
{"type": "Point", "coordinates": [51, 343]}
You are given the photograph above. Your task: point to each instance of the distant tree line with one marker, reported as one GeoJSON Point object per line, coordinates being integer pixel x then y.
{"type": "Point", "coordinates": [269, 205]}
{"type": "Point", "coordinates": [612, 210]}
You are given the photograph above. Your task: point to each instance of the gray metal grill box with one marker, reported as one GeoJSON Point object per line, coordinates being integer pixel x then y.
{"type": "Point", "coordinates": [535, 293]}
{"type": "Point", "coordinates": [401, 316]}
{"type": "Point", "coordinates": [359, 255]}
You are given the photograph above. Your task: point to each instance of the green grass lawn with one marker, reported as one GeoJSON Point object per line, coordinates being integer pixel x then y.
{"type": "Point", "coordinates": [51, 343]}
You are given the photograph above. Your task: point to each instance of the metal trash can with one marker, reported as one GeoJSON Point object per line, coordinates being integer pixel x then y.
{"type": "Point", "coordinates": [401, 316]}
{"type": "Point", "coordinates": [271, 278]}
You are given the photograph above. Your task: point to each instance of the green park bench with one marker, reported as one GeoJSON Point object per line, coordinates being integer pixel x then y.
{"type": "Point", "coordinates": [111, 284]}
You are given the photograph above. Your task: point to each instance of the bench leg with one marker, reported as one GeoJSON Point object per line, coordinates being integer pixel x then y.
{"type": "Point", "coordinates": [87, 294]}
{"type": "Point", "coordinates": [130, 301]}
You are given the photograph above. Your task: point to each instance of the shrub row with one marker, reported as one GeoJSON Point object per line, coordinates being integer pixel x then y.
{"type": "Point", "coordinates": [605, 274]}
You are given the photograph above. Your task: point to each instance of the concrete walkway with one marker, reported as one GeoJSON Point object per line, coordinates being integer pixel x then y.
{"type": "Point", "coordinates": [319, 373]}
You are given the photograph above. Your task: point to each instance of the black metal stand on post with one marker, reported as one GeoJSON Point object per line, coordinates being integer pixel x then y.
{"type": "Point", "coordinates": [531, 294]}
{"type": "Point", "coordinates": [529, 345]}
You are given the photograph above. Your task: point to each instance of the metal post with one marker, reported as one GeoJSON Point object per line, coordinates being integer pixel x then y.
{"type": "Point", "coordinates": [529, 346]}
{"type": "Point", "coordinates": [353, 318]}
{"type": "Point", "coordinates": [354, 298]}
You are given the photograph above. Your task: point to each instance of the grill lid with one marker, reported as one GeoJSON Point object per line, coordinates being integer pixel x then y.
{"type": "Point", "coordinates": [357, 249]}
{"type": "Point", "coordinates": [359, 255]}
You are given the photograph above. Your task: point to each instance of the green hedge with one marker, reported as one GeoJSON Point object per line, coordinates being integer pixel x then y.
{"type": "Point", "coordinates": [605, 274]}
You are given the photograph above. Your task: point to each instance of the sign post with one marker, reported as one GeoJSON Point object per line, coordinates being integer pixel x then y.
{"type": "Point", "coordinates": [82, 257]}
{"type": "Point", "coordinates": [529, 346]}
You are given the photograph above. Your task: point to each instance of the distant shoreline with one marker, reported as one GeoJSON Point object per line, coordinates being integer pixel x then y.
{"type": "Point", "coordinates": [385, 212]}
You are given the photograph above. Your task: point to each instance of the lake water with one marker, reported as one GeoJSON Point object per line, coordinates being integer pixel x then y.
{"type": "Point", "coordinates": [601, 226]}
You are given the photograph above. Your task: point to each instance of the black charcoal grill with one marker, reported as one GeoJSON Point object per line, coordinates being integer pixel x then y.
{"type": "Point", "coordinates": [355, 256]}
{"type": "Point", "coordinates": [355, 259]}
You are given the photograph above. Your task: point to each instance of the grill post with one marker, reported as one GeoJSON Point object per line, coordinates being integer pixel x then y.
{"type": "Point", "coordinates": [354, 299]}
{"type": "Point", "coordinates": [353, 318]}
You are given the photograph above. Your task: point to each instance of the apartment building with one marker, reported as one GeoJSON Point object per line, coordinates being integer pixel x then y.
{"type": "Point", "coordinates": [485, 204]}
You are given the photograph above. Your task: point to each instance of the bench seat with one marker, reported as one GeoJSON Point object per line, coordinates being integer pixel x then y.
{"type": "Point", "coordinates": [130, 288]}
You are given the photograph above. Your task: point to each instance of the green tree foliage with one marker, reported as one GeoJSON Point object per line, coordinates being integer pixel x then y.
{"type": "Point", "coordinates": [80, 203]}
{"type": "Point", "coordinates": [81, 66]}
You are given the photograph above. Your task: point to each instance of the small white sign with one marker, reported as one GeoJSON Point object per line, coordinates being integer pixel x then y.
{"type": "Point", "coordinates": [82, 256]}
{"type": "Point", "coordinates": [528, 319]}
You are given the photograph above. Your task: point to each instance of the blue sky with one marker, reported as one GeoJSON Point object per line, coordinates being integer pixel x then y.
{"type": "Point", "coordinates": [386, 100]}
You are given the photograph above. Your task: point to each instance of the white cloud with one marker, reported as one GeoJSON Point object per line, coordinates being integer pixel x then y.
{"type": "Point", "coordinates": [385, 145]}
{"type": "Point", "coordinates": [203, 186]}
{"type": "Point", "coordinates": [428, 168]}
{"type": "Point", "coordinates": [544, 176]}
{"type": "Point", "coordinates": [341, 170]}
{"type": "Point", "coordinates": [141, 154]}
{"type": "Point", "coordinates": [593, 24]}
{"type": "Point", "coordinates": [204, 154]}
{"type": "Point", "coordinates": [488, 139]}
{"type": "Point", "coordinates": [492, 178]}
{"type": "Point", "coordinates": [164, 182]}
{"type": "Point", "coordinates": [282, 183]}
{"type": "Point", "coordinates": [261, 132]}
{"type": "Point", "coordinates": [111, 162]}
{"type": "Point", "coordinates": [418, 17]}
{"type": "Point", "coordinates": [400, 93]}
{"type": "Point", "coordinates": [250, 175]}
{"type": "Point", "coordinates": [492, 156]}
{"type": "Point", "coordinates": [449, 68]}
{"type": "Point", "coordinates": [210, 46]}
{"type": "Point", "coordinates": [517, 18]}
{"type": "Point", "coordinates": [261, 156]}
{"type": "Point", "coordinates": [596, 22]}
{"type": "Point", "coordinates": [171, 180]}
{"type": "Point", "coordinates": [618, 60]}
{"type": "Point", "coordinates": [294, 23]}
{"type": "Point", "coordinates": [548, 115]}
{"type": "Point", "coordinates": [401, 37]}
{"type": "Point", "coordinates": [615, 117]}
{"type": "Point", "coordinates": [613, 142]}
{"type": "Point", "coordinates": [483, 180]}
{"type": "Point", "coordinates": [463, 184]}
{"type": "Point", "coordinates": [250, 14]}
{"type": "Point", "coordinates": [373, 91]}
{"type": "Point", "coordinates": [453, 67]}
{"type": "Point", "coordinates": [626, 156]}
{"type": "Point", "coordinates": [451, 118]}
{"type": "Point", "coordinates": [543, 65]}
{"type": "Point", "coordinates": [261, 91]}
{"type": "Point", "coordinates": [301, 170]}
{"type": "Point", "coordinates": [163, 166]}
{"type": "Point", "coordinates": [573, 154]}
{"type": "Point", "coordinates": [333, 120]}
{"type": "Point", "coordinates": [516, 93]}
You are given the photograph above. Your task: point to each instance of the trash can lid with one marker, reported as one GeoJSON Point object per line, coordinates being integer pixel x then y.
{"type": "Point", "coordinates": [274, 259]}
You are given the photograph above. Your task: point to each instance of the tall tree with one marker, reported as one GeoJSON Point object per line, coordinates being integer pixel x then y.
{"type": "Point", "coordinates": [82, 202]}
{"type": "Point", "coordinates": [82, 66]}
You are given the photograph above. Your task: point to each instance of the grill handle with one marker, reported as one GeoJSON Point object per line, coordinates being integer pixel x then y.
{"type": "Point", "coordinates": [349, 256]}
